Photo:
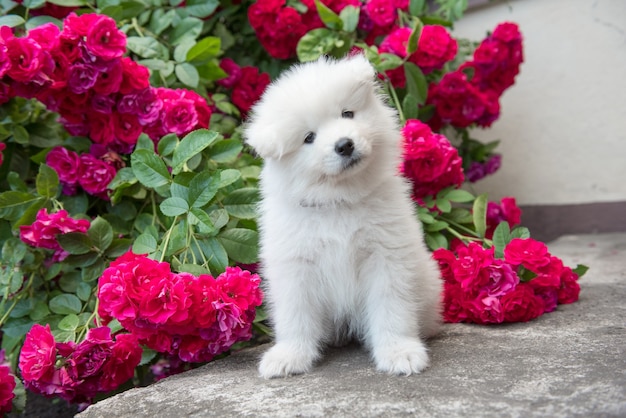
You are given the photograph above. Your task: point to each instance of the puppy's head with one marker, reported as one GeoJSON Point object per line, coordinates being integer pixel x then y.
{"type": "Point", "coordinates": [325, 121]}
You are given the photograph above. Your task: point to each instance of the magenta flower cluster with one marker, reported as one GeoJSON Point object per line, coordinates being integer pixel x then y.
{"type": "Point", "coordinates": [471, 94]}
{"type": "Point", "coordinates": [77, 372]}
{"type": "Point", "coordinates": [483, 289]}
{"type": "Point", "coordinates": [191, 317]}
{"type": "Point", "coordinates": [429, 160]}
{"type": "Point", "coordinates": [81, 73]}
{"type": "Point", "coordinates": [44, 231]}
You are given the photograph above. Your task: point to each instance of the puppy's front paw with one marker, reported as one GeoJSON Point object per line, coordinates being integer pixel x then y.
{"type": "Point", "coordinates": [402, 357]}
{"type": "Point", "coordinates": [284, 360]}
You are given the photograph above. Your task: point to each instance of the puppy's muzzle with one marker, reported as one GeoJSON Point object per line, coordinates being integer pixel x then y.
{"type": "Point", "coordinates": [344, 147]}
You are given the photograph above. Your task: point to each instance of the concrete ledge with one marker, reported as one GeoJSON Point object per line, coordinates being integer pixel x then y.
{"type": "Point", "coordinates": [571, 362]}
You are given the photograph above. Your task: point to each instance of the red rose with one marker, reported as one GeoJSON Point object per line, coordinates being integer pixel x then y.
{"type": "Point", "coordinates": [249, 88]}
{"type": "Point", "coordinates": [569, 289]}
{"type": "Point", "coordinates": [435, 48]}
{"type": "Point", "coordinates": [528, 252]}
{"type": "Point", "coordinates": [66, 163]}
{"type": "Point", "coordinates": [135, 76]}
{"type": "Point", "coordinates": [521, 305]}
{"type": "Point", "coordinates": [120, 366]}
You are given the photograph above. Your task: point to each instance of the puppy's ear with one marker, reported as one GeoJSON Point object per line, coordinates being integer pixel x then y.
{"type": "Point", "coordinates": [264, 139]}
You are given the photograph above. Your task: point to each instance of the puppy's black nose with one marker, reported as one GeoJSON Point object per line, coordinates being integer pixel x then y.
{"type": "Point", "coordinates": [344, 147]}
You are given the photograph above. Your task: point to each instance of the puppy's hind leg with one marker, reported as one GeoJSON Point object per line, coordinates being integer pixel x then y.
{"type": "Point", "coordinates": [298, 323]}
{"type": "Point", "coordinates": [391, 318]}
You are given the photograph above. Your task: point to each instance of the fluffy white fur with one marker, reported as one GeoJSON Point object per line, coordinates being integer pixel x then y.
{"type": "Point", "coordinates": [342, 252]}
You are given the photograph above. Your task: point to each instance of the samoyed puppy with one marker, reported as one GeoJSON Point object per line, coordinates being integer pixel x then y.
{"type": "Point", "coordinates": [341, 250]}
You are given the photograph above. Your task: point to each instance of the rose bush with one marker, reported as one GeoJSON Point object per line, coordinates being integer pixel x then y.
{"type": "Point", "coordinates": [127, 198]}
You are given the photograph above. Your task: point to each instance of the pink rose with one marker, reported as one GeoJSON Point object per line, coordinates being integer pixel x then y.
{"type": "Point", "coordinates": [109, 80]}
{"type": "Point", "coordinates": [507, 211]}
{"type": "Point", "coordinates": [179, 116]}
{"type": "Point", "coordinates": [104, 40]}
{"type": "Point", "coordinates": [26, 56]}
{"type": "Point", "coordinates": [381, 12]}
{"type": "Point", "coordinates": [2, 148]}
{"type": "Point", "coordinates": [38, 354]}
{"type": "Point", "coordinates": [430, 161]}
{"type": "Point", "coordinates": [240, 287]}
{"type": "Point", "coordinates": [528, 252]}
{"type": "Point", "coordinates": [66, 163]}
{"type": "Point", "coordinates": [43, 232]}
{"type": "Point", "coordinates": [95, 175]}
{"type": "Point", "coordinates": [434, 49]}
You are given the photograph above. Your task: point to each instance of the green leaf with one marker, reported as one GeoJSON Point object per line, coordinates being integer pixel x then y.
{"type": "Point", "coordinates": [75, 242]}
{"type": "Point", "coordinates": [225, 151]}
{"type": "Point", "coordinates": [501, 237]}
{"type": "Point", "coordinates": [20, 134]}
{"type": "Point", "coordinates": [204, 50]}
{"type": "Point", "coordinates": [202, 219]}
{"type": "Point", "coordinates": [228, 177]}
{"type": "Point", "coordinates": [242, 203]}
{"type": "Point", "coordinates": [69, 323]}
{"type": "Point", "coordinates": [13, 204]}
{"type": "Point", "coordinates": [479, 214]}
{"type": "Point", "coordinates": [65, 304]}
{"type": "Point", "coordinates": [146, 47]}
{"type": "Point", "coordinates": [436, 240]}
{"type": "Point", "coordinates": [187, 74]}
{"type": "Point", "coordinates": [149, 169]}
{"type": "Point", "coordinates": [201, 8]}
{"type": "Point", "coordinates": [13, 251]}
{"type": "Point", "coordinates": [36, 21]}
{"type": "Point", "coordinates": [240, 244]}
{"type": "Point", "coordinates": [219, 217]}
{"type": "Point", "coordinates": [191, 145]}
{"type": "Point", "coordinates": [350, 18]}
{"type": "Point", "coordinates": [194, 269]}
{"type": "Point", "coordinates": [388, 62]}
{"type": "Point", "coordinates": [414, 38]}
{"type": "Point", "coordinates": [145, 244]}
{"type": "Point", "coordinates": [329, 18]}
{"type": "Point", "coordinates": [147, 355]}
{"type": "Point", "coordinates": [69, 281]}
{"type": "Point", "coordinates": [124, 176]}
{"type": "Point", "coordinates": [93, 272]}
{"type": "Point", "coordinates": [416, 7]}
{"type": "Point", "coordinates": [68, 3]}
{"type": "Point", "coordinates": [459, 196]}
{"type": "Point", "coordinates": [520, 232]}
{"type": "Point", "coordinates": [315, 43]}
{"type": "Point", "coordinates": [118, 247]}
{"type": "Point", "coordinates": [443, 205]}
{"type": "Point", "coordinates": [580, 270]}
{"type": "Point", "coordinates": [174, 206]}
{"type": "Point", "coordinates": [410, 107]}
{"type": "Point", "coordinates": [436, 226]}
{"type": "Point", "coordinates": [188, 28]}
{"type": "Point", "coordinates": [101, 233]}
{"type": "Point", "coordinates": [11, 20]}
{"type": "Point", "coordinates": [202, 189]}
{"type": "Point", "coordinates": [416, 82]}
{"type": "Point", "coordinates": [167, 144]}
{"type": "Point", "coordinates": [215, 254]}
{"type": "Point", "coordinates": [84, 291]}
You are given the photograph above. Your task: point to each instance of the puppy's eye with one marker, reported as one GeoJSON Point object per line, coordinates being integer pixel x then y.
{"type": "Point", "coordinates": [347, 114]}
{"type": "Point", "coordinates": [309, 138]}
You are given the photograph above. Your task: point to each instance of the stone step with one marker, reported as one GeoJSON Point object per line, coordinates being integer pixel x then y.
{"type": "Point", "coordinates": [571, 362]}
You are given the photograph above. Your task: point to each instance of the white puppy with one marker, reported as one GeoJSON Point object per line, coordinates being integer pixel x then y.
{"type": "Point", "coordinates": [342, 252]}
